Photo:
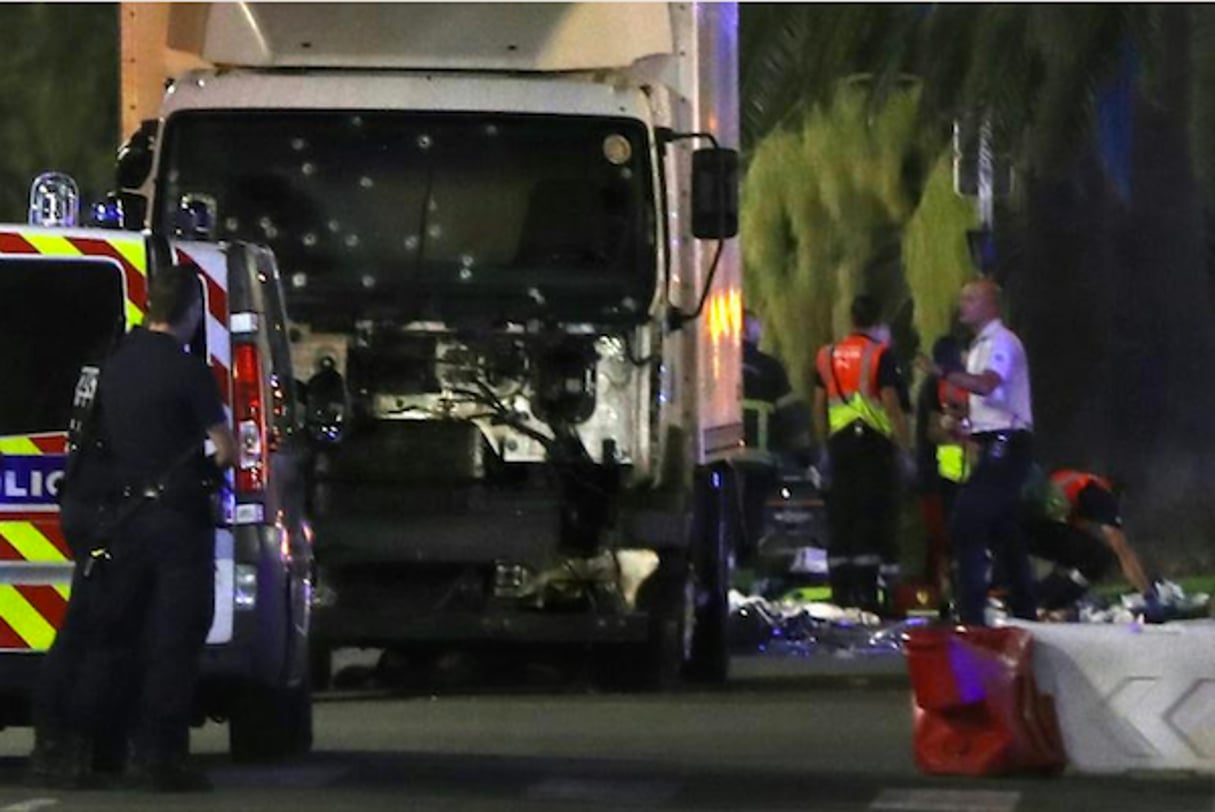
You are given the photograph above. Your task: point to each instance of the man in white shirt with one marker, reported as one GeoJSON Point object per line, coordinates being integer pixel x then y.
{"type": "Point", "coordinates": [985, 516]}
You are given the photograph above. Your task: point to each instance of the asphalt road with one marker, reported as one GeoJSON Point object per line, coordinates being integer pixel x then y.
{"type": "Point", "coordinates": [787, 734]}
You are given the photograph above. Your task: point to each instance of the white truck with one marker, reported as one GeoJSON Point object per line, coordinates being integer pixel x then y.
{"type": "Point", "coordinates": [514, 302]}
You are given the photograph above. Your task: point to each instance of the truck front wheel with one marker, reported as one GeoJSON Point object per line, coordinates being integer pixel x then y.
{"type": "Point", "coordinates": [669, 601]}
{"type": "Point", "coordinates": [711, 544]}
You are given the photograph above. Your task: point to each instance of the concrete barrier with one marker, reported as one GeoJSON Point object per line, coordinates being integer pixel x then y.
{"type": "Point", "coordinates": [1130, 697]}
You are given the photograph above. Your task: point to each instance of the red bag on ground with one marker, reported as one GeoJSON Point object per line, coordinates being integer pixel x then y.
{"type": "Point", "coordinates": [978, 709]}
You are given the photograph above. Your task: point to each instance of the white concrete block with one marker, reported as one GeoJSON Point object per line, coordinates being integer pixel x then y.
{"type": "Point", "coordinates": [1130, 697]}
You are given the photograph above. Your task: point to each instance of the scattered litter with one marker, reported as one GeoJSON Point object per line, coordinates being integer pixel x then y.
{"type": "Point", "coordinates": [1128, 608]}
{"type": "Point", "coordinates": [1176, 604]}
{"type": "Point", "coordinates": [794, 626]}
{"type": "Point", "coordinates": [802, 628]}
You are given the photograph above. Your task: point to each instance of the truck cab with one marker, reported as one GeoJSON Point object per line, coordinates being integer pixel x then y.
{"type": "Point", "coordinates": [66, 294]}
{"type": "Point", "coordinates": [514, 309]}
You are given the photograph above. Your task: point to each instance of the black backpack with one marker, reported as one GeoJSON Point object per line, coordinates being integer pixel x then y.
{"type": "Point", "coordinates": [94, 501]}
{"type": "Point", "coordinates": [89, 491]}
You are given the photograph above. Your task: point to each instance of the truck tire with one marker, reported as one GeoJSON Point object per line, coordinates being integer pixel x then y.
{"type": "Point", "coordinates": [709, 662]}
{"type": "Point", "coordinates": [669, 599]}
{"type": "Point", "coordinates": [270, 723]}
{"type": "Point", "coordinates": [656, 664]}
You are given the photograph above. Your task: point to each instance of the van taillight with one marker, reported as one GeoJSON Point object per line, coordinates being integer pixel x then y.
{"type": "Point", "coordinates": [250, 418]}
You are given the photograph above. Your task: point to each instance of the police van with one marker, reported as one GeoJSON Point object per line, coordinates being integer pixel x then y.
{"type": "Point", "coordinates": [65, 294]}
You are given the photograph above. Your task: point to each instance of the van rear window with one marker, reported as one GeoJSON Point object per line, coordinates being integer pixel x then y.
{"type": "Point", "coordinates": [54, 316]}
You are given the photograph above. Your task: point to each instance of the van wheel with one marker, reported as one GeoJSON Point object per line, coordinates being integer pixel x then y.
{"type": "Point", "coordinates": [270, 723]}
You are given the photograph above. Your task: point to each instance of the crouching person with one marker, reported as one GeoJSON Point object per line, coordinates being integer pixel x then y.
{"type": "Point", "coordinates": [1078, 528]}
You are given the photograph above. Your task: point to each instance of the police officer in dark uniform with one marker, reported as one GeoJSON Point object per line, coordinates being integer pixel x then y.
{"type": "Point", "coordinates": [150, 599]}
{"type": "Point", "coordinates": [858, 408]}
{"type": "Point", "coordinates": [776, 424]}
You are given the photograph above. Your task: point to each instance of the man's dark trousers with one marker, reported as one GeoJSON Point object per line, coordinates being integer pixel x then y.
{"type": "Point", "coordinates": [986, 517]}
{"type": "Point", "coordinates": [1069, 548]}
{"type": "Point", "coordinates": [155, 603]}
{"type": "Point", "coordinates": [862, 512]}
{"type": "Point", "coordinates": [53, 706]}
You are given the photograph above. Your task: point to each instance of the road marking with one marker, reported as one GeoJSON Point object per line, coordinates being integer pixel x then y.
{"type": "Point", "coordinates": [945, 800]}
{"type": "Point", "coordinates": [602, 791]}
{"type": "Point", "coordinates": [30, 806]}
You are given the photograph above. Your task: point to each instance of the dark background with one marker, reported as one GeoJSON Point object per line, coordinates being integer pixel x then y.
{"type": "Point", "coordinates": [1106, 253]}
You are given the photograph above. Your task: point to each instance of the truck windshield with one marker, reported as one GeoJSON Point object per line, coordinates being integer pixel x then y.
{"type": "Point", "coordinates": [54, 316]}
{"type": "Point", "coordinates": [406, 216]}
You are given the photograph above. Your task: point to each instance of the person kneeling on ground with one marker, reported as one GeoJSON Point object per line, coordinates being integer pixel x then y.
{"type": "Point", "coordinates": [1077, 526]}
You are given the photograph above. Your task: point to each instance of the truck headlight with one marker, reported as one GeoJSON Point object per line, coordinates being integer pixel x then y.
{"type": "Point", "coordinates": [244, 587]}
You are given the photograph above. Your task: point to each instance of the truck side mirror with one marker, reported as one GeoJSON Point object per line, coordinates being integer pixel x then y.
{"type": "Point", "coordinates": [714, 193]}
{"type": "Point", "coordinates": [134, 163]}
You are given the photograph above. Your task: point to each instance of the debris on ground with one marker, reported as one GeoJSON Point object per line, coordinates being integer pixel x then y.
{"type": "Point", "coordinates": [1175, 604]}
{"type": "Point", "coordinates": [794, 626]}
{"type": "Point", "coordinates": [800, 628]}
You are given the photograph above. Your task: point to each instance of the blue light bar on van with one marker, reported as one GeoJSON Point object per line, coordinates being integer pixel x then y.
{"type": "Point", "coordinates": [54, 201]}
{"type": "Point", "coordinates": [107, 213]}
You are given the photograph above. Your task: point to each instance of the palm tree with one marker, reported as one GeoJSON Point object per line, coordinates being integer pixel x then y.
{"type": "Point", "coordinates": [1106, 114]}
{"type": "Point", "coordinates": [58, 97]}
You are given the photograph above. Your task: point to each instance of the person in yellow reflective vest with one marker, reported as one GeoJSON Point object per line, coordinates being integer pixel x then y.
{"type": "Point", "coordinates": [858, 410]}
{"type": "Point", "coordinates": [941, 458]}
{"type": "Point", "coordinates": [776, 426]}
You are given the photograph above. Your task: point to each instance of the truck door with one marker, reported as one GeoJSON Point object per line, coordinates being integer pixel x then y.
{"type": "Point", "coordinates": [56, 313]}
